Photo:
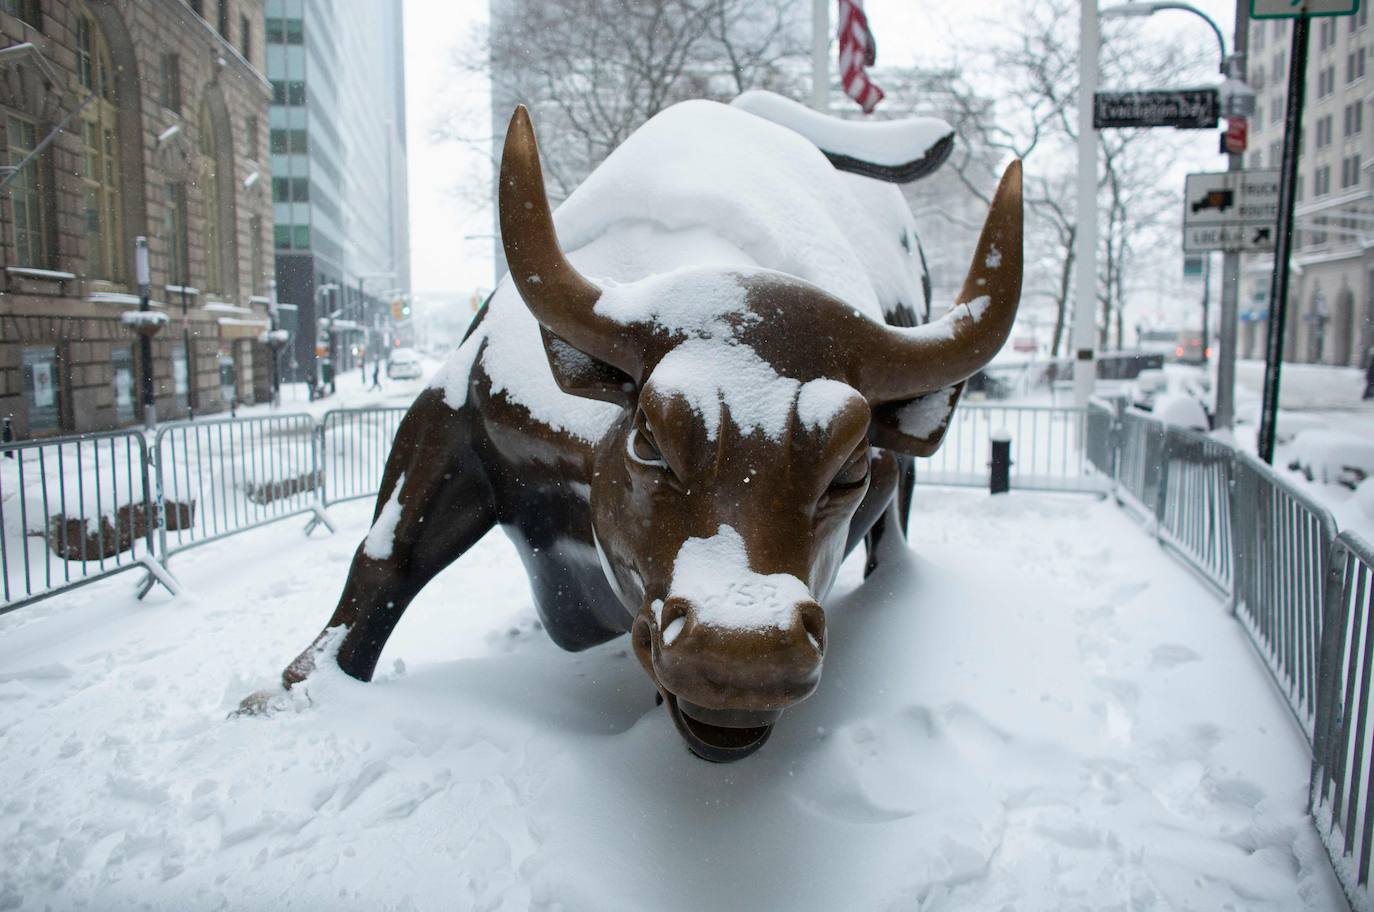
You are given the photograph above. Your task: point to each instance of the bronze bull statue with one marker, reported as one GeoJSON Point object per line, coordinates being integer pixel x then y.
{"type": "Point", "coordinates": [686, 449]}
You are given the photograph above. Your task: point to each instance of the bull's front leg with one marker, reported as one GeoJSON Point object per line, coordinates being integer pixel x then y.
{"type": "Point", "coordinates": [434, 503]}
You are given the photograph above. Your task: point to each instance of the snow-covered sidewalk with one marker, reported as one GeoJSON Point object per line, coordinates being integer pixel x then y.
{"type": "Point", "coordinates": [1038, 710]}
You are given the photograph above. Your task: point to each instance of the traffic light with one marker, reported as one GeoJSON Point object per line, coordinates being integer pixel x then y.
{"type": "Point", "coordinates": [399, 310]}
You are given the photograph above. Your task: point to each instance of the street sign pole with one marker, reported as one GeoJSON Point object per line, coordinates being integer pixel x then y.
{"type": "Point", "coordinates": [1278, 290]}
{"type": "Point", "coordinates": [1225, 399]}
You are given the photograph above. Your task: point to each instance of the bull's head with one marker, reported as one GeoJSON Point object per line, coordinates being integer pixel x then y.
{"type": "Point", "coordinates": [761, 415]}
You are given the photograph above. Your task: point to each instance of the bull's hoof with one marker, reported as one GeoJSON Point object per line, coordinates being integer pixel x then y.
{"type": "Point", "coordinates": [720, 743]}
{"type": "Point", "coordinates": [271, 701]}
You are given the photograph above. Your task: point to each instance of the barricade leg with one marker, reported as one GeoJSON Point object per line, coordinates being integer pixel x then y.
{"type": "Point", "coordinates": [156, 573]}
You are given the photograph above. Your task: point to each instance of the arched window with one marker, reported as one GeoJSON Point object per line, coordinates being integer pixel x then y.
{"type": "Point", "coordinates": [214, 205]}
{"type": "Point", "coordinates": [100, 175]}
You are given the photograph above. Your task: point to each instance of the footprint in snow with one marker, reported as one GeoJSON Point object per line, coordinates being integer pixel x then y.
{"type": "Point", "coordinates": [1171, 655]}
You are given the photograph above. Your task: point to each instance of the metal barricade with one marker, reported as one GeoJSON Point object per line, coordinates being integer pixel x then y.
{"type": "Point", "coordinates": [216, 478]}
{"type": "Point", "coordinates": [1100, 441]}
{"type": "Point", "coordinates": [1193, 510]}
{"type": "Point", "coordinates": [1139, 461]}
{"type": "Point", "coordinates": [354, 444]}
{"type": "Point", "coordinates": [1343, 744]}
{"type": "Point", "coordinates": [1282, 541]}
{"type": "Point", "coordinates": [72, 510]}
{"type": "Point", "coordinates": [1047, 448]}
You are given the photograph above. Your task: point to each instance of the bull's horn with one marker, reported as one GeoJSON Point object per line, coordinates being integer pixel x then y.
{"type": "Point", "coordinates": [909, 362]}
{"type": "Point", "coordinates": [558, 296]}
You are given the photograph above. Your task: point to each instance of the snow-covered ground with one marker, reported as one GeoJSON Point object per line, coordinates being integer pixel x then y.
{"type": "Point", "coordinates": [1035, 709]}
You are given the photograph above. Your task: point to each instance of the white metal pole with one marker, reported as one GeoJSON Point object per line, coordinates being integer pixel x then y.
{"type": "Point", "coordinates": [820, 54]}
{"type": "Point", "coordinates": [1085, 243]}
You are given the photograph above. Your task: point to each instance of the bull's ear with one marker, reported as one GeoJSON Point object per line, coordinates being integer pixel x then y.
{"type": "Point", "coordinates": [916, 427]}
{"type": "Point", "coordinates": [579, 374]}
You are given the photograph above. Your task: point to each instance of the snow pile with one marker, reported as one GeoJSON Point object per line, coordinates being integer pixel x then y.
{"type": "Point", "coordinates": [381, 538]}
{"type": "Point", "coordinates": [1181, 410]}
{"type": "Point", "coordinates": [882, 142]}
{"type": "Point", "coordinates": [1332, 457]}
{"type": "Point", "coordinates": [1041, 711]}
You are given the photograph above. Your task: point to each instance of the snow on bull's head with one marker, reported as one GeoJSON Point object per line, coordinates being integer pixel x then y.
{"type": "Point", "coordinates": [761, 416]}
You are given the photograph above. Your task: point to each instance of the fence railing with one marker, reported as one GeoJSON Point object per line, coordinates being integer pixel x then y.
{"type": "Point", "coordinates": [1342, 752]}
{"type": "Point", "coordinates": [218, 478]}
{"type": "Point", "coordinates": [72, 511]}
{"type": "Point", "coordinates": [1303, 594]}
{"type": "Point", "coordinates": [1047, 448]}
{"type": "Point", "coordinates": [354, 444]}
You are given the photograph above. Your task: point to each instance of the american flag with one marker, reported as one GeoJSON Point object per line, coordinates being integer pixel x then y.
{"type": "Point", "coordinates": [857, 52]}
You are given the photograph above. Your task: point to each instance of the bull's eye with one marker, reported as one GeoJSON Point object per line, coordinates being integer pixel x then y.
{"type": "Point", "coordinates": [640, 447]}
{"type": "Point", "coordinates": [854, 472]}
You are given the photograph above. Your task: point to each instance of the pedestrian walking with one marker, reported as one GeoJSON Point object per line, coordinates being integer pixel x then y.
{"type": "Point", "coordinates": [1369, 373]}
{"type": "Point", "coordinates": [377, 374]}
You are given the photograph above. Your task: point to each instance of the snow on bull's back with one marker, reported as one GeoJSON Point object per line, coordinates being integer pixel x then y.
{"type": "Point", "coordinates": [762, 188]}
{"type": "Point", "coordinates": [700, 185]}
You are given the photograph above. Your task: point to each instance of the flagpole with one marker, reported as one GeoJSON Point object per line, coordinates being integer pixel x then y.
{"type": "Point", "coordinates": [820, 54]}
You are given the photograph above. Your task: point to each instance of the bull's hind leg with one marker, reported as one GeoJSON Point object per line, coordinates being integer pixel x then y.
{"type": "Point", "coordinates": [435, 502]}
{"type": "Point", "coordinates": [893, 522]}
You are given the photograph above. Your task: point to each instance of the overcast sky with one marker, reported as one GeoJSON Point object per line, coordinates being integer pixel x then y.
{"type": "Point", "coordinates": [443, 253]}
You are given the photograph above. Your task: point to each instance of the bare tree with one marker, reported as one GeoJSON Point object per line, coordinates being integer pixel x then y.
{"type": "Point", "coordinates": [593, 71]}
{"type": "Point", "coordinates": [1017, 97]}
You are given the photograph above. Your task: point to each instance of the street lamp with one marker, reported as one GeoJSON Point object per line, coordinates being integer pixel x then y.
{"type": "Point", "coordinates": [1237, 100]}
{"type": "Point", "coordinates": [326, 324]}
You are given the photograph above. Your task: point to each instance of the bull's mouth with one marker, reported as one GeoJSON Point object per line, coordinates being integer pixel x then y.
{"type": "Point", "coordinates": [721, 735]}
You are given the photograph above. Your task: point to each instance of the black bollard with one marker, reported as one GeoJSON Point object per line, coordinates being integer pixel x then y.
{"type": "Point", "coordinates": [999, 479]}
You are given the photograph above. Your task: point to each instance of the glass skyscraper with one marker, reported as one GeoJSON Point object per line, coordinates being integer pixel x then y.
{"type": "Point", "coordinates": [339, 174]}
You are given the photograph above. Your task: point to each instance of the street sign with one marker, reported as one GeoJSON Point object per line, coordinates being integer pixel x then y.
{"type": "Point", "coordinates": [1238, 238]}
{"type": "Point", "coordinates": [1237, 132]}
{"type": "Point", "coordinates": [1291, 9]}
{"type": "Point", "coordinates": [1231, 210]}
{"type": "Point", "coordinates": [1184, 109]}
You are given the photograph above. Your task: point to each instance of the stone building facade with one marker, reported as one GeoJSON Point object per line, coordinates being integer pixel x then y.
{"type": "Point", "coordinates": [1330, 314]}
{"type": "Point", "coordinates": [159, 116]}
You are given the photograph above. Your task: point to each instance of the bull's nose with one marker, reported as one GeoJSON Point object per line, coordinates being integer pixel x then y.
{"type": "Point", "coordinates": [736, 668]}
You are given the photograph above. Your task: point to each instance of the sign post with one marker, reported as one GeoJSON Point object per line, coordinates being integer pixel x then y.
{"type": "Point", "coordinates": [1301, 11]}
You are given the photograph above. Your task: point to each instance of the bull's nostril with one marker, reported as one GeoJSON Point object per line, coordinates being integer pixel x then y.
{"type": "Point", "coordinates": [673, 619]}
{"type": "Point", "coordinates": [813, 622]}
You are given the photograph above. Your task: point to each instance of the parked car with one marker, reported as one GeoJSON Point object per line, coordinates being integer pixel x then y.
{"type": "Point", "coordinates": [1332, 457]}
{"type": "Point", "coordinates": [403, 364]}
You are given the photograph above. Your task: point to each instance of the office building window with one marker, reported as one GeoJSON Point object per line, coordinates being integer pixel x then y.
{"type": "Point", "coordinates": [1354, 118]}
{"type": "Point", "coordinates": [250, 131]}
{"type": "Point", "coordinates": [1321, 181]}
{"type": "Point", "coordinates": [246, 38]}
{"type": "Point", "coordinates": [100, 177]}
{"type": "Point", "coordinates": [1350, 171]}
{"type": "Point", "coordinates": [222, 26]}
{"type": "Point", "coordinates": [1326, 34]}
{"type": "Point", "coordinates": [171, 82]}
{"type": "Point", "coordinates": [285, 31]}
{"type": "Point", "coordinates": [256, 281]}
{"type": "Point", "coordinates": [27, 203]}
{"type": "Point", "coordinates": [213, 204]}
{"type": "Point", "coordinates": [289, 141]}
{"type": "Point", "coordinates": [174, 229]}
{"type": "Point", "coordinates": [28, 11]}
{"type": "Point", "coordinates": [1323, 131]}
